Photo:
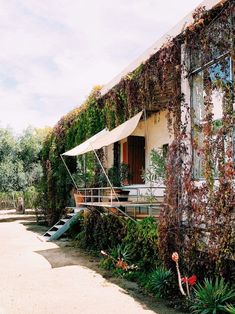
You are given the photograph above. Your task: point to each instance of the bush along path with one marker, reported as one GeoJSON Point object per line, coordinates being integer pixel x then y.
{"type": "Point", "coordinates": [130, 250]}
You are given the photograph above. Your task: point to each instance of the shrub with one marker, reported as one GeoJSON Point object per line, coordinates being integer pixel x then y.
{"type": "Point", "coordinates": [30, 197]}
{"type": "Point", "coordinates": [76, 226]}
{"type": "Point", "coordinates": [102, 231]}
{"type": "Point", "coordinates": [212, 297]}
{"type": "Point", "coordinates": [107, 263]}
{"type": "Point", "coordinates": [160, 282]}
{"type": "Point", "coordinates": [142, 241]}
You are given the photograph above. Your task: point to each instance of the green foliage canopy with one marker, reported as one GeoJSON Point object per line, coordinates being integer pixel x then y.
{"type": "Point", "coordinates": [19, 159]}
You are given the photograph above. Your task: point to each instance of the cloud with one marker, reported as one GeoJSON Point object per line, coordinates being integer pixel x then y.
{"type": "Point", "coordinates": [54, 52]}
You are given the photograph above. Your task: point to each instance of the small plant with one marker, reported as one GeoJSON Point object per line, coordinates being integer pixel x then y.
{"type": "Point", "coordinates": [189, 281]}
{"type": "Point", "coordinates": [120, 258]}
{"type": "Point", "coordinates": [157, 170]}
{"type": "Point", "coordinates": [118, 175]}
{"type": "Point", "coordinates": [108, 262]}
{"type": "Point", "coordinates": [122, 252]}
{"type": "Point", "coordinates": [212, 297]}
{"type": "Point", "coordinates": [160, 281]}
{"type": "Point", "coordinates": [134, 275]}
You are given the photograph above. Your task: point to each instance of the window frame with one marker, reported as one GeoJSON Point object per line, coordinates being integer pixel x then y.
{"type": "Point", "coordinates": [200, 123]}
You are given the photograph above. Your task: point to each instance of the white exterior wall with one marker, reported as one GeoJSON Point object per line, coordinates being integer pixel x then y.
{"type": "Point", "coordinates": [156, 133]}
{"type": "Point", "coordinates": [108, 154]}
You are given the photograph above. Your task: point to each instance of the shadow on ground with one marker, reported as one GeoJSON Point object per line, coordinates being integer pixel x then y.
{"type": "Point", "coordinates": [17, 217]}
{"type": "Point", "coordinates": [68, 255]}
{"type": "Point", "coordinates": [33, 226]}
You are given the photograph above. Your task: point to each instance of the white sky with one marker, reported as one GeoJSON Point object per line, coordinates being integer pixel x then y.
{"type": "Point", "coordinates": [54, 51]}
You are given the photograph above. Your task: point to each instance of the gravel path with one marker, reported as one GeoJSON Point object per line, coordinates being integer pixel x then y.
{"type": "Point", "coordinates": [29, 285]}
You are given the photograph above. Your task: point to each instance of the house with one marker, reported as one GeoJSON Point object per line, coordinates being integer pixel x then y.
{"type": "Point", "coordinates": [184, 87]}
{"type": "Point", "coordinates": [178, 97]}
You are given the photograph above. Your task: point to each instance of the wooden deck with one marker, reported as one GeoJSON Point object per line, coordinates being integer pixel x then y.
{"type": "Point", "coordinates": [136, 210]}
{"type": "Point", "coordinates": [136, 205]}
{"type": "Point", "coordinates": [121, 204]}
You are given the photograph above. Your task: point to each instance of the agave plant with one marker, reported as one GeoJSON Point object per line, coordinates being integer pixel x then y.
{"type": "Point", "coordinates": [230, 309]}
{"type": "Point", "coordinates": [119, 257]}
{"type": "Point", "coordinates": [212, 297]}
{"type": "Point", "coordinates": [121, 252]}
{"type": "Point", "coordinates": [160, 281]}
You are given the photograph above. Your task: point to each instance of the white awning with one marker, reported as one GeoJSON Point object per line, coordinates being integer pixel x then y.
{"type": "Point", "coordinates": [105, 137]}
{"type": "Point", "coordinates": [85, 147]}
{"type": "Point", "coordinates": [117, 134]}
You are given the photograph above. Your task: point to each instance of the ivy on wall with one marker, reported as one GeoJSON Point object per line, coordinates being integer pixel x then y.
{"type": "Point", "coordinates": [72, 129]}
{"type": "Point", "coordinates": [152, 86]}
{"type": "Point", "coordinates": [197, 219]}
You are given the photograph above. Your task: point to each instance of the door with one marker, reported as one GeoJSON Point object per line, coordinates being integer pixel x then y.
{"type": "Point", "coordinates": [136, 158]}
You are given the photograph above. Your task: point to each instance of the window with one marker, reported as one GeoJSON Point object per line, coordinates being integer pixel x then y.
{"type": "Point", "coordinates": [216, 82]}
{"type": "Point", "coordinates": [165, 148]}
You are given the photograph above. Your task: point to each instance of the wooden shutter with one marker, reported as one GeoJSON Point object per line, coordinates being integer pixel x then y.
{"type": "Point", "coordinates": [116, 154]}
{"type": "Point", "coordinates": [136, 158]}
{"type": "Point", "coordinates": [125, 153]}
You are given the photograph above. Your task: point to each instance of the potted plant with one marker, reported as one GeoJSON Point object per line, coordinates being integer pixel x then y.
{"type": "Point", "coordinates": [118, 176]}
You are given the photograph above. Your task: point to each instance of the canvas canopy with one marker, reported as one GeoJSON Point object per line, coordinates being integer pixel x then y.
{"type": "Point", "coordinates": [105, 137]}
{"type": "Point", "coordinates": [117, 134]}
{"type": "Point", "coordinates": [85, 147]}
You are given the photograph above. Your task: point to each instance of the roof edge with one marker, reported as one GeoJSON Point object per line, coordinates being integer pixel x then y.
{"type": "Point", "coordinates": [172, 33]}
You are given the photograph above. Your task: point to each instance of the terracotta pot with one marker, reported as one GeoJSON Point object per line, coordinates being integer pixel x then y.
{"type": "Point", "coordinates": [79, 198]}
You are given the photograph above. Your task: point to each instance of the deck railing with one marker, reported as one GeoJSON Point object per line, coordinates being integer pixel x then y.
{"type": "Point", "coordinates": [133, 200]}
{"type": "Point", "coordinates": [148, 194]}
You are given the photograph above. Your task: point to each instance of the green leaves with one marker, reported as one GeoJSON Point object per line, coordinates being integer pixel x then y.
{"type": "Point", "coordinates": [70, 131]}
{"type": "Point", "coordinates": [19, 159]}
{"type": "Point", "coordinates": [230, 309]}
{"type": "Point", "coordinates": [102, 231]}
{"type": "Point", "coordinates": [212, 297]}
{"type": "Point", "coordinates": [160, 282]}
{"type": "Point", "coordinates": [142, 239]}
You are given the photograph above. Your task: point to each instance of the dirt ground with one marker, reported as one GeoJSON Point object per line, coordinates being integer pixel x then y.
{"type": "Point", "coordinates": [46, 278]}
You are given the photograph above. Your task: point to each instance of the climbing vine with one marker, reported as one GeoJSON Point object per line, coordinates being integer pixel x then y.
{"type": "Point", "coordinates": [198, 213]}
{"type": "Point", "coordinates": [198, 218]}
{"type": "Point", "coordinates": [148, 87]}
{"type": "Point", "coordinates": [72, 129]}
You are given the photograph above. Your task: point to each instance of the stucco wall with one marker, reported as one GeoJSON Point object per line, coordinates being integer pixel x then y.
{"type": "Point", "coordinates": [156, 133]}
{"type": "Point", "coordinates": [108, 153]}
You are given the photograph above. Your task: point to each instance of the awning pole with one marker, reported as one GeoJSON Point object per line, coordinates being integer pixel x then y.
{"type": "Point", "coordinates": [84, 169]}
{"type": "Point", "coordinates": [69, 172]}
{"type": "Point", "coordinates": [109, 182]}
{"type": "Point", "coordinates": [112, 187]}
